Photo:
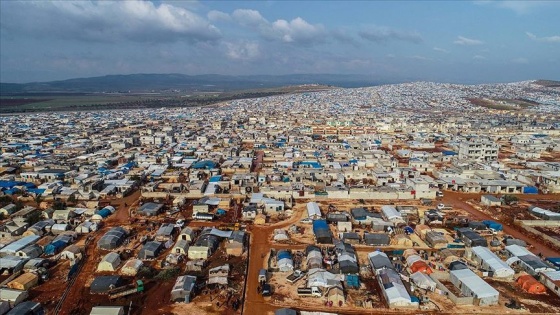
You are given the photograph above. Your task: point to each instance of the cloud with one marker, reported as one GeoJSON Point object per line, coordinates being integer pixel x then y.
{"type": "Point", "coordinates": [479, 57]}
{"type": "Point", "coordinates": [441, 50]}
{"type": "Point", "coordinates": [344, 36]}
{"type": "Point", "coordinates": [519, 7]}
{"type": "Point", "coordinates": [107, 21]}
{"type": "Point", "coordinates": [520, 60]}
{"type": "Point", "coordinates": [295, 31]}
{"type": "Point", "coordinates": [546, 39]}
{"type": "Point", "coordinates": [218, 16]}
{"type": "Point", "coordinates": [248, 17]}
{"type": "Point", "coordinates": [420, 58]}
{"type": "Point", "coordinates": [464, 41]}
{"type": "Point", "coordinates": [384, 34]}
{"type": "Point", "coordinates": [243, 51]}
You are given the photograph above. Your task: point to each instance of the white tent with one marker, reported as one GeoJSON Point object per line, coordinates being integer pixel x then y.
{"type": "Point", "coordinates": [110, 262]}
{"type": "Point", "coordinates": [313, 211]}
{"type": "Point", "coordinates": [131, 267]}
{"type": "Point", "coordinates": [423, 281]}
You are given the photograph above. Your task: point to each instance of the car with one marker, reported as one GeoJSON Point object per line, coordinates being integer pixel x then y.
{"type": "Point", "coordinates": [439, 194]}
{"type": "Point", "coordinates": [266, 290]}
{"type": "Point", "coordinates": [180, 223]}
{"type": "Point", "coordinates": [306, 221]}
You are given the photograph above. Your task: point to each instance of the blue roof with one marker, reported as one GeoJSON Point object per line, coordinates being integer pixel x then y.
{"type": "Point", "coordinates": [284, 254]}
{"type": "Point", "coordinates": [204, 164]}
{"type": "Point", "coordinates": [36, 191]}
{"type": "Point", "coordinates": [10, 184]}
{"type": "Point", "coordinates": [216, 178]}
{"type": "Point", "coordinates": [554, 260]}
{"type": "Point", "coordinates": [449, 153]}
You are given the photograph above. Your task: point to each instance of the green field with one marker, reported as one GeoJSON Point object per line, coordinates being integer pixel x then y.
{"type": "Point", "coordinates": [45, 102]}
{"type": "Point", "coordinates": [53, 103]}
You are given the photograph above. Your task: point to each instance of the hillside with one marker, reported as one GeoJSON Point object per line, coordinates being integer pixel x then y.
{"type": "Point", "coordinates": [182, 82]}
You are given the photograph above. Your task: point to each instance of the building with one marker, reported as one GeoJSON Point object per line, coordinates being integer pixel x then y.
{"type": "Point", "coordinates": [551, 280]}
{"type": "Point", "coordinates": [184, 289]}
{"type": "Point", "coordinates": [483, 151]}
{"type": "Point", "coordinates": [393, 289]}
{"type": "Point", "coordinates": [472, 285]}
{"type": "Point", "coordinates": [490, 262]}
{"type": "Point", "coordinates": [150, 209]}
{"type": "Point", "coordinates": [490, 201]}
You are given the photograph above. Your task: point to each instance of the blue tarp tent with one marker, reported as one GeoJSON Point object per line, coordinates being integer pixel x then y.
{"type": "Point", "coordinates": [554, 261]}
{"type": "Point", "coordinates": [493, 225]}
{"type": "Point", "coordinates": [352, 281]}
{"type": "Point", "coordinates": [319, 225]}
{"type": "Point", "coordinates": [104, 212]}
{"type": "Point", "coordinates": [54, 247]}
{"type": "Point", "coordinates": [204, 165]}
{"type": "Point", "coordinates": [215, 179]}
{"type": "Point", "coordinates": [284, 254]}
{"type": "Point", "coordinates": [530, 190]}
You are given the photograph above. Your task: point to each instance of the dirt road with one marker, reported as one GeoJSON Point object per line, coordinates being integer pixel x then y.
{"type": "Point", "coordinates": [458, 200]}
{"type": "Point", "coordinates": [260, 246]}
{"type": "Point", "coordinates": [78, 299]}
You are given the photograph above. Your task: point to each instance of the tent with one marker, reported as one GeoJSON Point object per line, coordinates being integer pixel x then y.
{"type": "Point", "coordinates": [112, 239]}
{"type": "Point", "coordinates": [131, 267]}
{"type": "Point", "coordinates": [421, 266]}
{"type": "Point", "coordinates": [423, 281]}
{"type": "Point", "coordinates": [531, 285]}
{"type": "Point", "coordinates": [110, 262]}
{"type": "Point", "coordinates": [24, 282]}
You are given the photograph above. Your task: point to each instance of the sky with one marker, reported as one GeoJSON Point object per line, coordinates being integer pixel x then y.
{"type": "Point", "coordinates": [443, 41]}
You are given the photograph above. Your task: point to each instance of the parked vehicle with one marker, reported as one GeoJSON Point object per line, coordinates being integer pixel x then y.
{"type": "Point", "coordinates": [313, 291]}
{"type": "Point", "coordinates": [266, 290]}
{"type": "Point", "coordinates": [295, 276]}
{"type": "Point", "coordinates": [126, 290]}
{"type": "Point", "coordinates": [263, 276]}
{"type": "Point", "coordinates": [203, 216]}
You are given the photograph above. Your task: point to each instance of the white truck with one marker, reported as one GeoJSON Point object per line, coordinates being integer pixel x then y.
{"type": "Point", "coordinates": [313, 291]}
{"type": "Point", "coordinates": [441, 206]}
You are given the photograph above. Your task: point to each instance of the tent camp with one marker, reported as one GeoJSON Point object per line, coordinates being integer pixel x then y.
{"type": "Point", "coordinates": [131, 267]}
{"type": "Point", "coordinates": [487, 260]}
{"type": "Point", "coordinates": [423, 281]}
{"type": "Point", "coordinates": [112, 239]}
{"type": "Point", "coordinates": [24, 282]}
{"type": "Point", "coordinates": [313, 211]}
{"type": "Point", "coordinates": [181, 247]}
{"type": "Point", "coordinates": [198, 252]}
{"type": "Point", "coordinates": [110, 262]}
{"type": "Point", "coordinates": [531, 285]}
{"type": "Point", "coordinates": [285, 262]}
{"type": "Point", "coordinates": [150, 250]}
{"type": "Point", "coordinates": [12, 296]}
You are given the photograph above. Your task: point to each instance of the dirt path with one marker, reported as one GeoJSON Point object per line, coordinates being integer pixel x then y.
{"type": "Point", "coordinates": [458, 200]}
{"type": "Point", "coordinates": [260, 246]}
{"type": "Point", "coordinates": [78, 299]}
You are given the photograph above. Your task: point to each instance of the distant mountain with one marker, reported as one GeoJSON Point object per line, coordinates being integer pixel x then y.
{"type": "Point", "coordinates": [209, 82]}
{"type": "Point", "coordinates": [548, 83]}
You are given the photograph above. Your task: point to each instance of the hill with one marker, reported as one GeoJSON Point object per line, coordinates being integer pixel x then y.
{"type": "Point", "coordinates": [182, 82]}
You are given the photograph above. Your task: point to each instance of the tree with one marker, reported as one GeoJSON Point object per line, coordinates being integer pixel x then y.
{"type": "Point", "coordinates": [59, 205]}
{"type": "Point", "coordinates": [72, 198]}
{"type": "Point", "coordinates": [509, 199]}
{"type": "Point", "coordinates": [34, 217]}
{"type": "Point", "coordinates": [38, 199]}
